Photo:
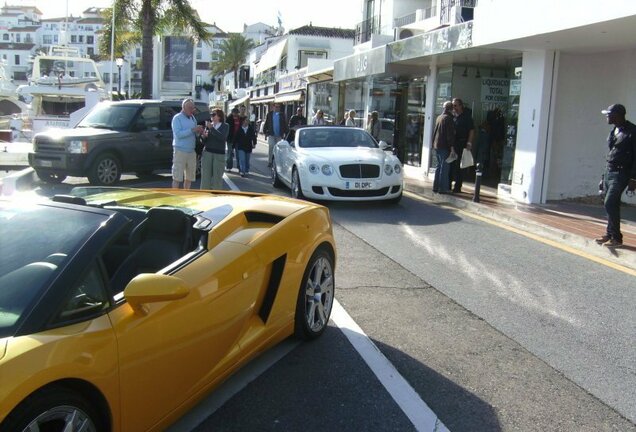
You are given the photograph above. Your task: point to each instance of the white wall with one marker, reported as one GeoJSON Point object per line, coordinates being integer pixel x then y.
{"type": "Point", "coordinates": [532, 127]}
{"type": "Point", "coordinates": [498, 20]}
{"type": "Point", "coordinates": [335, 47]}
{"type": "Point", "coordinates": [586, 84]}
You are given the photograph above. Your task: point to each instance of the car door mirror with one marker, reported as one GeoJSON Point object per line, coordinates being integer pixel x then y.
{"type": "Point", "coordinates": [152, 288]}
{"type": "Point", "coordinates": [384, 145]}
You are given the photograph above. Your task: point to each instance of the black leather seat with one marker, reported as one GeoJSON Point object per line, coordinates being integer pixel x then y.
{"type": "Point", "coordinates": [164, 236]}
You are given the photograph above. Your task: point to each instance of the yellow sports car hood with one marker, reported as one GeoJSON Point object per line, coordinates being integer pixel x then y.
{"type": "Point", "coordinates": [191, 201]}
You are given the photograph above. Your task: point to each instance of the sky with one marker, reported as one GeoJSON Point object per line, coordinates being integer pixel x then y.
{"type": "Point", "coordinates": [230, 16]}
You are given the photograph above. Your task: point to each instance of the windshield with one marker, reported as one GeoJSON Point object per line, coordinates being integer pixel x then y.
{"type": "Point", "coordinates": [107, 116]}
{"type": "Point", "coordinates": [335, 137]}
{"type": "Point", "coordinates": [36, 241]}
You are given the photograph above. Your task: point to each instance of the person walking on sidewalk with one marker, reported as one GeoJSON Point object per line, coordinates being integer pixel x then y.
{"type": "Point", "coordinates": [275, 129]}
{"type": "Point", "coordinates": [464, 136]}
{"type": "Point", "coordinates": [620, 171]}
{"type": "Point", "coordinates": [213, 156]}
{"type": "Point", "coordinates": [184, 157]}
{"type": "Point", "coordinates": [244, 142]}
{"type": "Point", "coordinates": [318, 119]}
{"type": "Point", "coordinates": [297, 119]}
{"type": "Point", "coordinates": [443, 143]}
{"type": "Point", "coordinates": [234, 122]}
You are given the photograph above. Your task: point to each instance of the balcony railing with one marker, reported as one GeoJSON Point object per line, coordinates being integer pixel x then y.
{"type": "Point", "coordinates": [419, 15]}
{"type": "Point", "coordinates": [404, 20]}
{"type": "Point", "coordinates": [366, 28]}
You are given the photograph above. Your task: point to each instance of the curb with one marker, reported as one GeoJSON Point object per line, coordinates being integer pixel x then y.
{"type": "Point", "coordinates": [619, 256]}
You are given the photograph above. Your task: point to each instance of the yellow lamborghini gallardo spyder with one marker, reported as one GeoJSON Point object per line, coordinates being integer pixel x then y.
{"type": "Point", "coordinates": [121, 308]}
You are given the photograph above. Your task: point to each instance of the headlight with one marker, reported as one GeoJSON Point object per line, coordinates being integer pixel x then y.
{"type": "Point", "coordinates": [397, 168]}
{"type": "Point", "coordinates": [327, 170]}
{"type": "Point", "coordinates": [313, 168]}
{"type": "Point", "coordinates": [388, 169]}
{"type": "Point", "coordinates": [77, 146]}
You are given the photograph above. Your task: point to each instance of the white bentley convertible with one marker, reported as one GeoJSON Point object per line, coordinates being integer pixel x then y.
{"type": "Point", "coordinates": [336, 163]}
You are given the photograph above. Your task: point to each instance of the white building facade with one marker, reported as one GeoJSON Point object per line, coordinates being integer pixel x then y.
{"type": "Point", "coordinates": [547, 67]}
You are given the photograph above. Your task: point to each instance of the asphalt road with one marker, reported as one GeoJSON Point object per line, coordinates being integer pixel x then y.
{"type": "Point", "coordinates": [494, 331]}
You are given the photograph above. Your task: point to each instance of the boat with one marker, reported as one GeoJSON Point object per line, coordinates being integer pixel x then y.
{"type": "Point", "coordinates": [63, 85]}
{"type": "Point", "coordinates": [11, 108]}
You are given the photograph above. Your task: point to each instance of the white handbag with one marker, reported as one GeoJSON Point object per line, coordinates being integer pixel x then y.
{"type": "Point", "coordinates": [467, 159]}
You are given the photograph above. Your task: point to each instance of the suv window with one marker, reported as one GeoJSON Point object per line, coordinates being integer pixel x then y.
{"type": "Point", "coordinates": [167, 112]}
{"type": "Point", "coordinates": [116, 117]}
{"type": "Point", "coordinates": [149, 118]}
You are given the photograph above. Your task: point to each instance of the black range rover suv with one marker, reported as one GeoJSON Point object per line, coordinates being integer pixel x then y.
{"type": "Point", "coordinates": [114, 137]}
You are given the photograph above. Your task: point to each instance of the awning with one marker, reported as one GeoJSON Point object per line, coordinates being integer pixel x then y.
{"type": "Point", "coordinates": [238, 101]}
{"type": "Point", "coordinates": [271, 57]}
{"type": "Point", "coordinates": [261, 100]}
{"type": "Point", "coordinates": [289, 97]}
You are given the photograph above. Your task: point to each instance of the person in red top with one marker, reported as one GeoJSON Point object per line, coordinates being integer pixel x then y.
{"type": "Point", "coordinates": [234, 122]}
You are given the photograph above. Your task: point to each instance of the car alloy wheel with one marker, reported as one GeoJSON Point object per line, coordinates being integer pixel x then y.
{"type": "Point", "coordinates": [55, 408]}
{"type": "Point", "coordinates": [274, 175]}
{"type": "Point", "coordinates": [63, 418]}
{"type": "Point", "coordinates": [296, 190]}
{"type": "Point", "coordinates": [316, 296]}
{"type": "Point", "coordinates": [105, 171]}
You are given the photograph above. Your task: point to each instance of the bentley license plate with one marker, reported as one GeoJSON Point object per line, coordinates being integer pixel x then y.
{"type": "Point", "coordinates": [45, 163]}
{"type": "Point", "coordinates": [359, 185]}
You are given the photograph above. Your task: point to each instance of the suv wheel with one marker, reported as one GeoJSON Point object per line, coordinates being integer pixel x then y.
{"type": "Point", "coordinates": [50, 177]}
{"type": "Point", "coordinates": [105, 170]}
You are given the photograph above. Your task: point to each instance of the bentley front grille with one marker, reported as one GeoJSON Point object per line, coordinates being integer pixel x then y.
{"type": "Point", "coordinates": [365, 171]}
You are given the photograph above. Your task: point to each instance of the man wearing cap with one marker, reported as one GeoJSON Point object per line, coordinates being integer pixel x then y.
{"type": "Point", "coordinates": [620, 172]}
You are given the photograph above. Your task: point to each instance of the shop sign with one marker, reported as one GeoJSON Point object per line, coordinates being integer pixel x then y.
{"type": "Point", "coordinates": [371, 62]}
{"type": "Point", "coordinates": [292, 81]}
{"type": "Point", "coordinates": [515, 87]}
{"type": "Point", "coordinates": [494, 90]}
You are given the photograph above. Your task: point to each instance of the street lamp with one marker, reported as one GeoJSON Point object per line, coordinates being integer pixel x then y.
{"type": "Point", "coordinates": [120, 63]}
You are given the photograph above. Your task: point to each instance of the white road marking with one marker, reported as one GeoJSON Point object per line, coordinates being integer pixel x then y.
{"type": "Point", "coordinates": [422, 417]}
{"type": "Point", "coordinates": [230, 183]}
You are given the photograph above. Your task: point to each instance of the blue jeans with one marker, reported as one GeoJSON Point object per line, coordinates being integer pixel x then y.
{"type": "Point", "coordinates": [614, 184]}
{"type": "Point", "coordinates": [441, 182]}
{"type": "Point", "coordinates": [244, 161]}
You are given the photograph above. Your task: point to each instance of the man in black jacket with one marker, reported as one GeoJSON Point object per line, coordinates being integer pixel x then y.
{"type": "Point", "coordinates": [297, 119]}
{"type": "Point", "coordinates": [620, 172]}
{"type": "Point", "coordinates": [234, 123]}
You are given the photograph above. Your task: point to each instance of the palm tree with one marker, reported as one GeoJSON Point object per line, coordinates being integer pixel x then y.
{"type": "Point", "coordinates": [234, 51]}
{"type": "Point", "coordinates": [139, 20]}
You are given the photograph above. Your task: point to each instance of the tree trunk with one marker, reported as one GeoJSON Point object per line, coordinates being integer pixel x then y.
{"type": "Point", "coordinates": [147, 59]}
{"type": "Point", "coordinates": [236, 83]}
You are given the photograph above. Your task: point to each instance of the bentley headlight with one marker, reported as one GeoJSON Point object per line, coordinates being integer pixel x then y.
{"type": "Point", "coordinates": [77, 146]}
{"type": "Point", "coordinates": [388, 169]}
{"type": "Point", "coordinates": [327, 170]}
{"type": "Point", "coordinates": [397, 168]}
{"type": "Point", "coordinates": [313, 168]}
